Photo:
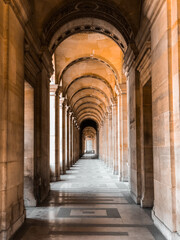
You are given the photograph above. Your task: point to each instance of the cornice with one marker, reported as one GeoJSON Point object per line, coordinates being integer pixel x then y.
{"type": "Point", "coordinates": [22, 10]}
{"type": "Point", "coordinates": [129, 59]}
{"type": "Point", "coordinates": [144, 53]}
{"type": "Point", "coordinates": [152, 9]}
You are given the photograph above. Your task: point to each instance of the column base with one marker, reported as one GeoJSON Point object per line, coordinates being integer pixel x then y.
{"type": "Point", "coordinates": [145, 203]}
{"type": "Point", "coordinates": [55, 179]}
{"type": "Point", "coordinates": [123, 179]}
{"type": "Point", "coordinates": [6, 234]}
{"type": "Point", "coordinates": [135, 198]}
{"type": "Point", "coordinates": [115, 172]}
{"type": "Point", "coordinates": [164, 229]}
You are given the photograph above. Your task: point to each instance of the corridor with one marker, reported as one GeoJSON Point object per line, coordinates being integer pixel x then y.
{"type": "Point", "coordinates": [88, 203]}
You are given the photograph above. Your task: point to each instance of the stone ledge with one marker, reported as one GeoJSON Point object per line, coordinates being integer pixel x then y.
{"type": "Point", "coordinates": [6, 234]}
{"type": "Point", "coordinates": [164, 229]}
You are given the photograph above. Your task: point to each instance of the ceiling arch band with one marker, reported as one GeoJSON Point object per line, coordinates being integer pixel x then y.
{"type": "Point", "coordinates": [86, 59]}
{"type": "Point", "coordinates": [83, 110]}
{"type": "Point", "coordinates": [87, 96]}
{"type": "Point", "coordinates": [90, 113]}
{"type": "Point", "coordinates": [96, 89]}
{"type": "Point", "coordinates": [89, 76]}
{"type": "Point", "coordinates": [89, 116]}
{"type": "Point", "coordinates": [89, 103]}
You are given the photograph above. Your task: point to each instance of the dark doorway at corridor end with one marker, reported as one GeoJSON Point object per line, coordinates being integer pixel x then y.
{"type": "Point", "coordinates": [89, 139]}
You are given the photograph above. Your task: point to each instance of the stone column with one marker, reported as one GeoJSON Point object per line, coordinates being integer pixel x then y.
{"type": "Point", "coordinates": [61, 133]}
{"type": "Point", "coordinates": [73, 139]}
{"type": "Point", "coordinates": [67, 138]}
{"type": "Point", "coordinates": [70, 139]}
{"type": "Point", "coordinates": [54, 133]}
{"type": "Point", "coordinates": [134, 153]}
{"type": "Point", "coordinates": [107, 140]}
{"type": "Point", "coordinates": [114, 137]}
{"type": "Point", "coordinates": [57, 136]}
{"type": "Point", "coordinates": [104, 147]}
{"type": "Point", "coordinates": [97, 143]}
{"type": "Point", "coordinates": [119, 133]}
{"type": "Point", "coordinates": [72, 136]}
{"type": "Point", "coordinates": [110, 163]}
{"type": "Point", "coordinates": [124, 133]}
{"type": "Point", "coordinates": [101, 143]}
{"type": "Point", "coordinates": [64, 137]}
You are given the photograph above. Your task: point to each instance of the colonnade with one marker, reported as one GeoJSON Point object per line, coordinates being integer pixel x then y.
{"type": "Point", "coordinates": [113, 135]}
{"type": "Point", "coordinates": [64, 135]}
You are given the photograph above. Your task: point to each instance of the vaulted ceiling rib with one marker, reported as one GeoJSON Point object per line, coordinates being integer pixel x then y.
{"type": "Point", "coordinates": [88, 82]}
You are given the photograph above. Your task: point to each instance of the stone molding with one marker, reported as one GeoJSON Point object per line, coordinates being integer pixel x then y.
{"type": "Point", "coordinates": [138, 61]}
{"type": "Point", "coordinates": [129, 59]}
{"type": "Point", "coordinates": [152, 9]}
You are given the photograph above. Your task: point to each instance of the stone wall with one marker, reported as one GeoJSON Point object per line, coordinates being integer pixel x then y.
{"type": "Point", "coordinates": [11, 121]}
{"type": "Point", "coordinates": [160, 65]}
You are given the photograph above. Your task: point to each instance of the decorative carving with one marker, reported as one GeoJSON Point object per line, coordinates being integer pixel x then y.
{"type": "Point", "coordinates": [86, 6]}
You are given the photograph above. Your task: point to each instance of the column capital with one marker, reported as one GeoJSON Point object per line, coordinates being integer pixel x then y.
{"type": "Point", "coordinates": [109, 110]}
{"type": "Point", "coordinates": [114, 103]}
{"type": "Point", "coordinates": [53, 88]}
{"type": "Point", "coordinates": [58, 91]}
{"type": "Point", "coordinates": [64, 103]}
{"type": "Point", "coordinates": [67, 107]}
{"type": "Point", "coordinates": [70, 113]}
{"type": "Point", "coordinates": [121, 89]}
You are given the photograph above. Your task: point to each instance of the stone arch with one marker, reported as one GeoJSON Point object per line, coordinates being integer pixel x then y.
{"type": "Point", "coordinates": [89, 103]}
{"type": "Point", "coordinates": [89, 76]}
{"type": "Point", "coordinates": [95, 97]}
{"type": "Point", "coordinates": [92, 110]}
{"type": "Point", "coordinates": [96, 89]}
{"type": "Point", "coordinates": [94, 58]}
{"type": "Point", "coordinates": [99, 12]}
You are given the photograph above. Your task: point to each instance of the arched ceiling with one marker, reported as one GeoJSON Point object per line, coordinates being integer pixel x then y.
{"type": "Point", "coordinates": [88, 39]}
{"type": "Point", "coordinates": [88, 66]}
{"type": "Point", "coordinates": [51, 14]}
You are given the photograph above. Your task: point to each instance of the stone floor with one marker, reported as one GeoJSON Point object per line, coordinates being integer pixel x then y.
{"type": "Point", "coordinates": [89, 203]}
